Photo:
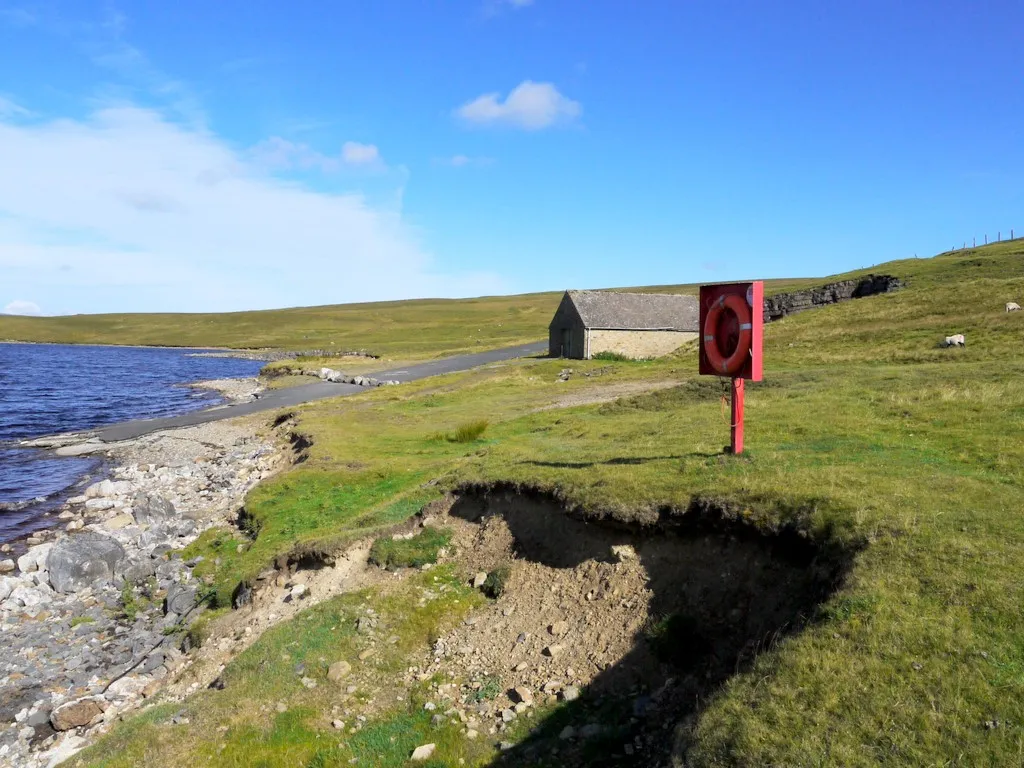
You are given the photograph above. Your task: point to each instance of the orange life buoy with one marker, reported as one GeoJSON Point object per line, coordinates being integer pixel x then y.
{"type": "Point", "coordinates": [734, 362]}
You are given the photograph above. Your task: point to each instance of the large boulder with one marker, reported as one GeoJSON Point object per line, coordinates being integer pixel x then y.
{"type": "Point", "coordinates": [150, 508]}
{"type": "Point", "coordinates": [76, 714]}
{"type": "Point", "coordinates": [79, 560]}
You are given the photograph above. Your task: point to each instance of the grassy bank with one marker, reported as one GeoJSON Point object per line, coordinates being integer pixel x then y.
{"type": "Point", "coordinates": [864, 432]}
{"type": "Point", "coordinates": [398, 330]}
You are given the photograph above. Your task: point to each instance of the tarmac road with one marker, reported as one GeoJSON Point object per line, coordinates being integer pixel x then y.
{"type": "Point", "coordinates": [306, 393]}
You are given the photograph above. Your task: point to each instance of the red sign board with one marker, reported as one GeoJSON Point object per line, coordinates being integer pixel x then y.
{"type": "Point", "coordinates": [731, 330]}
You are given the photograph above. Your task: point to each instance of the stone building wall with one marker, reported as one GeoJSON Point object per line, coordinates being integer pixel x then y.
{"type": "Point", "coordinates": [638, 344]}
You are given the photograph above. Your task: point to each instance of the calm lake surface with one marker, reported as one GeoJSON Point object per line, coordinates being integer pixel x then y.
{"type": "Point", "coordinates": [50, 388]}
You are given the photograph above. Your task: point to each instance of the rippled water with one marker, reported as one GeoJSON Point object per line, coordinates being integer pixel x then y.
{"type": "Point", "coordinates": [45, 389]}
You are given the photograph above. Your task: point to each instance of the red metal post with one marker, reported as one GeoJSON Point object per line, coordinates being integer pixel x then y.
{"type": "Point", "coordinates": [737, 416]}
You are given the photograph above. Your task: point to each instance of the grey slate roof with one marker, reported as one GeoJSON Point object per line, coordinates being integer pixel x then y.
{"type": "Point", "coordinates": [636, 311]}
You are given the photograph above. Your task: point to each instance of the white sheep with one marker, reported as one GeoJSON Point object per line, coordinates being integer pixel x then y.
{"type": "Point", "coordinates": [1012, 306]}
{"type": "Point", "coordinates": [956, 340]}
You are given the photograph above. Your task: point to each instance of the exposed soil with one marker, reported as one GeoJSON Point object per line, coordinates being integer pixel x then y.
{"type": "Point", "coordinates": [648, 630]}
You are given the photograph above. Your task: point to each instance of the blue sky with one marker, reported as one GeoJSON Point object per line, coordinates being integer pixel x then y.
{"type": "Point", "coordinates": [196, 156]}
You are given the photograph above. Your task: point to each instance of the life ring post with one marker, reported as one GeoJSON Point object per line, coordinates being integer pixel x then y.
{"type": "Point", "coordinates": [737, 416]}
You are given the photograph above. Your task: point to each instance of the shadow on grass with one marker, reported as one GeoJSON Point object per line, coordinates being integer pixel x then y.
{"type": "Point", "coordinates": [722, 594]}
{"type": "Point", "coordinates": [624, 460]}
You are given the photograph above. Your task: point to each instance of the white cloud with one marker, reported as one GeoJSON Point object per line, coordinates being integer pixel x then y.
{"type": "Point", "coordinates": [359, 154]}
{"type": "Point", "coordinates": [280, 154]}
{"type": "Point", "coordinates": [9, 109]}
{"type": "Point", "coordinates": [463, 161]}
{"type": "Point", "coordinates": [530, 105]}
{"type": "Point", "coordinates": [128, 211]}
{"type": "Point", "coordinates": [21, 307]}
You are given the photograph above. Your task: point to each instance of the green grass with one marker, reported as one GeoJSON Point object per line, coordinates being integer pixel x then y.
{"type": "Point", "coordinates": [409, 553]}
{"type": "Point", "coordinates": [863, 433]}
{"type": "Point", "coordinates": [403, 330]}
{"type": "Point", "coordinates": [615, 357]}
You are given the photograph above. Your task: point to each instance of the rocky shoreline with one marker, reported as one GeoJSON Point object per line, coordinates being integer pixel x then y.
{"type": "Point", "coordinates": [92, 613]}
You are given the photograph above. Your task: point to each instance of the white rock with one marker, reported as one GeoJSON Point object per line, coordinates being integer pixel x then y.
{"type": "Point", "coordinates": [29, 597]}
{"type": "Point", "coordinates": [6, 566]}
{"type": "Point", "coordinates": [100, 505]}
{"type": "Point", "coordinates": [64, 750]}
{"type": "Point", "coordinates": [128, 687]}
{"type": "Point", "coordinates": [34, 559]}
{"type": "Point", "coordinates": [423, 752]}
{"type": "Point", "coordinates": [7, 585]}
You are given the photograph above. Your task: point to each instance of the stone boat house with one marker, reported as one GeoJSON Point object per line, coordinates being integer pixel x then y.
{"type": "Point", "coordinates": [635, 325]}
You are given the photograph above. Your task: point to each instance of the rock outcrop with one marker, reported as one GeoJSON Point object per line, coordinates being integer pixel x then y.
{"type": "Point", "coordinates": [782, 304]}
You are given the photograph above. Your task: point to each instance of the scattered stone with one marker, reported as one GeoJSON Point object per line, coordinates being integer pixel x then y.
{"type": "Point", "coordinates": [118, 522]}
{"type": "Point", "coordinates": [507, 715]}
{"type": "Point", "coordinates": [479, 579]}
{"type": "Point", "coordinates": [567, 733]}
{"type": "Point", "coordinates": [590, 730]}
{"type": "Point", "coordinates": [523, 695]}
{"type": "Point", "coordinates": [338, 671]}
{"type": "Point", "coordinates": [152, 508]}
{"type": "Point", "coordinates": [471, 734]}
{"type": "Point", "coordinates": [559, 628]}
{"type": "Point", "coordinates": [423, 752]}
{"type": "Point", "coordinates": [7, 566]}
{"type": "Point", "coordinates": [554, 650]}
{"type": "Point", "coordinates": [338, 725]}
{"type": "Point", "coordinates": [623, 552]}
{"type": "Point", "coordinates": [75, 714]}
{"type": "Point", "coordinates": [570, 693]}
{"type": "Point", "coordinates": [364, 655]}
{"type": "Point", "coordinates": [180, 599]}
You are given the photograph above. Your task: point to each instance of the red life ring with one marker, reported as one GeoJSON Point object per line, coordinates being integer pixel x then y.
{"type": "Point", "coordinates": [733, 363]}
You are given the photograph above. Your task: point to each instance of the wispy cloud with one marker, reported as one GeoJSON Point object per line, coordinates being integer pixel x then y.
{"type": "Point", "coordinates": [494, 7]}
{"type": "Point", "coordinates": [130, 211]}
{"type": "Point", "coordinates": [9, 109]}
{"type": "Point", "coordinates": [464, 161]}
{"type": "Point", "coordinates": [280, 154]}
{"type": "Point", "coordinates": [18, 17]}
{"type": "Point", "coordinates": [354, 153]}
{"type": "Point", "coordinates": [22, 307]}
{"type": "Point", "coordinates": [531, 106]}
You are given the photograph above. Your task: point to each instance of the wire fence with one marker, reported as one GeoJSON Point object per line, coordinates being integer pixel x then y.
{"type": "Point", "coordinates": [986, 240]}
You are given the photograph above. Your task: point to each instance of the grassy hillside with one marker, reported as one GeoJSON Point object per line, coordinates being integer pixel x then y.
{"type": "Point", "coordinates": [406, 330]}
{"type": "Point", "coordinates": [865, 438]}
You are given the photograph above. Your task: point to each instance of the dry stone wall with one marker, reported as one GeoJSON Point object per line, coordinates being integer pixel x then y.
{"type": "Point", "coordinates": [638, 344]}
